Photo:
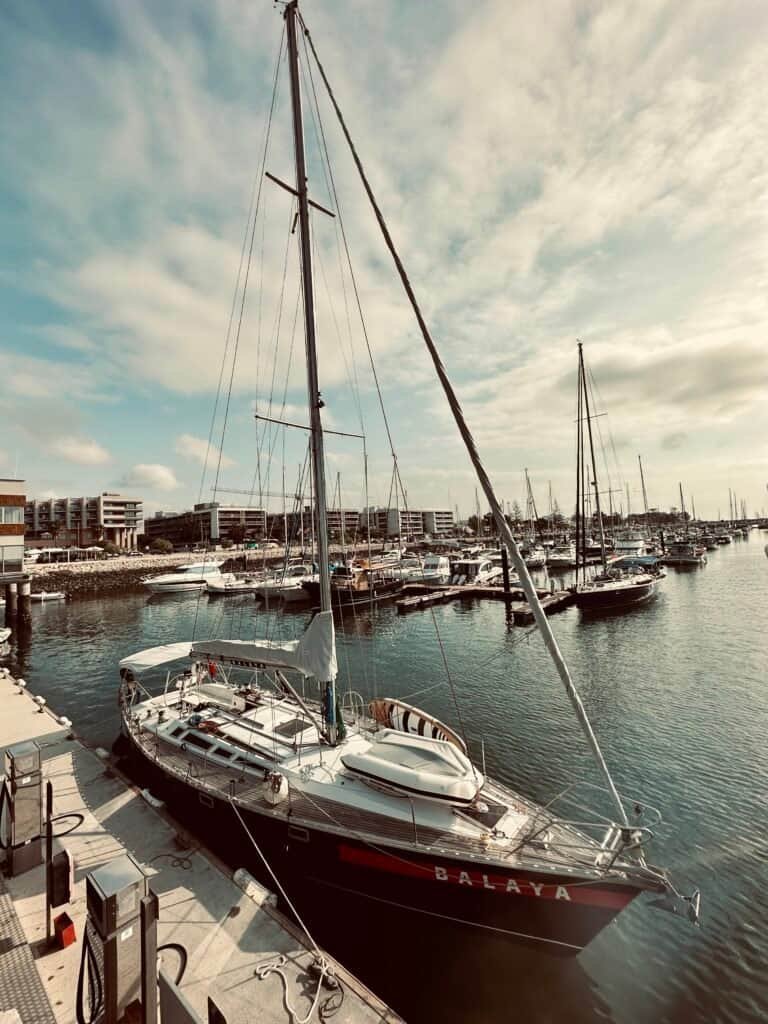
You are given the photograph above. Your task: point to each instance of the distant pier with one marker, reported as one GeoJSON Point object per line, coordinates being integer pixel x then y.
{"type": "Point", "coordinates": [418, 596]}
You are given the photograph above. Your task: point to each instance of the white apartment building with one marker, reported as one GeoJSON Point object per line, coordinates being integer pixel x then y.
{"type": "Point", "coordinates": [207, 522]}
{"type": "Point", "coordinates": [408, 524]}
{"type": "Point", "coordinates": [81, 521]}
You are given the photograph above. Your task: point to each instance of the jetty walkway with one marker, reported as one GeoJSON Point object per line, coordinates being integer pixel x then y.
{"type": "Point", "coordinates": [228, 933]}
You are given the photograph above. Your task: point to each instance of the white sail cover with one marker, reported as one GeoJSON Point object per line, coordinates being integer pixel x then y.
{"type": "Point", "coordinates": [313, 655]}
{"type": "Point", "coordinates": [142, 661]}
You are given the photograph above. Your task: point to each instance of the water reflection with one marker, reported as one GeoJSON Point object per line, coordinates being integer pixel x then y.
{"type": "Point", "coordinates": [676, 690]}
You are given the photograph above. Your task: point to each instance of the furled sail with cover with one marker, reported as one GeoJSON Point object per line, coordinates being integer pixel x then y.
{"type": "Point", "coordinates": [313, 655]}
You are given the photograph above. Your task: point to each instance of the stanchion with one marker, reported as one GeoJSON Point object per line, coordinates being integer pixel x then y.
{"type": "Point", "coordinates": [150, 908]}
{"type": "Point", "coordinates": [48, 860]}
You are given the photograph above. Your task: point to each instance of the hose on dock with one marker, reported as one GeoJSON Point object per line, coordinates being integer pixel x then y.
{"type": "Point", "coordinates": [89, 962]}
{"type": "Point", "coordinates": [4, 796]}
{"type": "Point", "coordinates": [183, 957]}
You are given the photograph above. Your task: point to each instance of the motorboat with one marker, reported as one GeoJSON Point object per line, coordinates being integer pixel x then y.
{"type": "Point", "coordinates": [436, 569]}
{"type": "Point", "coordinates": [562, 558]}
{"type": "Point", "coordinates": [631, 544]}
{"type": "Point", "coordinates": [411, 569]}
{"type": "Point", "coordinates": [684, 552]}
{"type": "Point", "coordinates": [186, 578]}
{"type": "Point", "coordinates": [228, 584]}
{"type": "Point", "coordinates": [475, 572]}
{"type": "Point", "coordinates": [536, 558]}
{"type": "Point", "coordinates": [40, 596]}
{"type": "Point", "coordinates": [287, 584]}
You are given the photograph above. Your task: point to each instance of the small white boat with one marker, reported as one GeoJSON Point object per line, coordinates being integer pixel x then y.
{"type": "Point", "coordinates": [187, 577]}
{"type": "Point", "coordinates": [563, 557]}
{"type": "Point", "coordinates": [48, 595]}
{"type": "Point", "coordinates": [436, 569]}
{"type": "Point", "coordinates": [4, 634]}
{"type": "Point", "coordinates": [288, 584]}
{"type": "Point", "coordinates": [632, 544]}
{"type": "Point", "coordinates": [411, 569]}
{"type": "Point", "coordinates": [475, 571]}
{"type": "Point", "coordinates": [536, 557]}
{"type": "Point", "coordinates": [227, 583]}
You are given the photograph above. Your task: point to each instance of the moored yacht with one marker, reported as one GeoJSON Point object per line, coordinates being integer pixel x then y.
{"type": "Point", "coordinates": [380, 799]}
{"type": "Point", "coordinates": [229, 583]}
{"type": "Point", "coordinates": [436, 569]}
{"type": "Point", "coordinates": [562, 557]}
{"type": "Point", "coordinates": [186, 577]}
{"type": "Point", "coordinates": [475, 571]}
{"type": "Point", "coordinates": [683, 551]}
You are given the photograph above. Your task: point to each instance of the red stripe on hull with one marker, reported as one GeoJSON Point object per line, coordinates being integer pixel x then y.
{"type": "Point", "coordinates": [594, 894]}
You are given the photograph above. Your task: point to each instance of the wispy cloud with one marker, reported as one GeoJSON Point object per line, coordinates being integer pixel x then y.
{"type": "Point", "coordinates": [153, 476]}
{"type": "Point", "coordinates": [80, 450]}
{"type": "Point", "coordinates": [207, 454]}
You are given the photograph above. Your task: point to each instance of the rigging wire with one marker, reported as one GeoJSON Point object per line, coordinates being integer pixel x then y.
{"type": "Point", "coordinates": [252, 213]}
{"type": "Point", "coordinates": [255, 208]}
{"type": "Point", "coordinates": [547, 634]}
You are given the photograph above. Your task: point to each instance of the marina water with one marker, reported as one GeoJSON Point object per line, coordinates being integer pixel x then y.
{"type": "Point", "coordinates": [677, 693]}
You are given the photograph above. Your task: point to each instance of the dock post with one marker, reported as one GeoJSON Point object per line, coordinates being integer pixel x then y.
{"type": "Point", "coordinates": [25, 599]}
{"type": "Point", "coordinates": [505, 568]}
{"type": "Point", "coordinates": [150, 909]}
{"type": "Point", "coordinates": [48, 859]}
{"type": "Point", "coordinates": [11, 600]}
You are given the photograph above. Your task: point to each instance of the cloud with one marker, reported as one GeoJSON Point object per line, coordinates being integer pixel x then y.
{"type": "Point", "coordinates": [579, 170]}
{"type": "Point", "coordinates": [673, 441]}
{"type": "Point", "coordinates": [150, 475]}
{"type": "Point", "coordinates": [200, 450]}
{"type": "Point", "coordinates": [80, 450]}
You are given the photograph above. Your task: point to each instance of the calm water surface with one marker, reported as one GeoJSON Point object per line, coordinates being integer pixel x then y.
{"type": "Point", "coordinates": [678, 693]}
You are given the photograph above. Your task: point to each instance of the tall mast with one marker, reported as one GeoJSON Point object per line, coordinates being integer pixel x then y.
{"type": "Point", "coordinates": [583, 378]}
{"type": "Point", "coordinates": [581, 542]}
{"type": "Point", "coordinates": [313, 387]}
{"type": "Point", "coordinates": [682, 508]}
{"type": "Point", "coordinates": [645, 497]}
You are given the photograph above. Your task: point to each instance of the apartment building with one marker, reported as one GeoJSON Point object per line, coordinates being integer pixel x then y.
{"type": "Point", "coordinates": [81, 521]}
{"type": "Point", "coordinates": [408, 524]}
{"type": "Point", "coordinates": [11, 529]}
{"type": "Point", "coordinates": [207, 522]}
{"type": "Point", "coordinates": [438, 521]}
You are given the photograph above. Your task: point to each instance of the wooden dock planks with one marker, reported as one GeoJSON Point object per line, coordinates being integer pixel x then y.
{"type": "Point", "coordinates": [419, 596]}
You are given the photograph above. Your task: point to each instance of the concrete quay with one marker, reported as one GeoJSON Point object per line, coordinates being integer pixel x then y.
{"type": "Point", "coordinates": [227, 932]}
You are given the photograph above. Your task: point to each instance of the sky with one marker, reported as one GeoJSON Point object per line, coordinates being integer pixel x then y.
{"type": "Point", "coordinates": [550, 172]}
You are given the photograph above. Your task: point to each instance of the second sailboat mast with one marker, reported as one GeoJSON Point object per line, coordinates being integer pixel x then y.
{"type": "Point", "coordinates": [313, 387]}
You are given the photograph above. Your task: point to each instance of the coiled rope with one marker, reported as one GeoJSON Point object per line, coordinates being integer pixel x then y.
{"type": "Point", "coordinates": [276, 964]}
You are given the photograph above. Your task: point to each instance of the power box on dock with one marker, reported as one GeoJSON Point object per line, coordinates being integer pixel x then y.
{"type": "Point", "coordinates": [113, 895]}
{"type": "Point", "coordinates": [113, 899]}
{"type": "Point", "coordinates": [23, 770]}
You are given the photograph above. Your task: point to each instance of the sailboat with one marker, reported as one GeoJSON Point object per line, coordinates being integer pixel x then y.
{"type": "Point", "coordinates": [380, 800]}
{"type": "Point", "coordinates": [611, 587]}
